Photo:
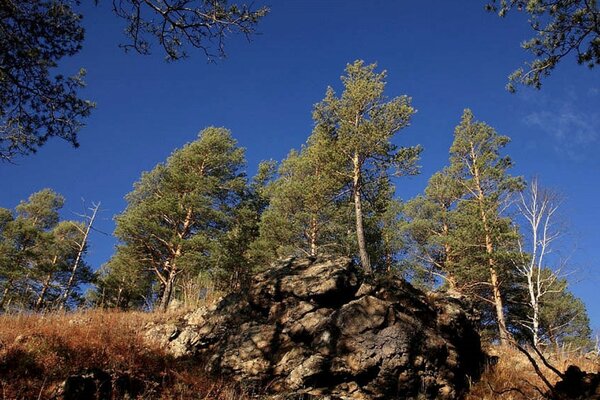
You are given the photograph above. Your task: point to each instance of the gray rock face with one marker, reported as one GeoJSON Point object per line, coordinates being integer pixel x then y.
{"type": "Point", "coordinates": [319, 328]}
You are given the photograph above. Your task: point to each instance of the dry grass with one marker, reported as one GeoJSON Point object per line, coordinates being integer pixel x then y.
{"type": "Point", "coordinates": [514, 378]}
{"type": "Point", "coordinates": [38, 352]}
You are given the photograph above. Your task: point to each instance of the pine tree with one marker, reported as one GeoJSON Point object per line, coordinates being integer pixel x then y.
{"type": "Point", "coordinates": [362, 123]}
{"type": "Point", "coordinates": [431, 227]}
{"type": "Point", "coordinates": [304, 213]}
{"type": "Point", "coordinates": [234, 259]}
{"type": "Point", "coordinates": [123, 282]}
{"type": "Point", "coordinates": [37, 252]}
{"type": "Point", "coordinates": [55, 254]}
{"type": "Point", "coordinates": [482, 175]}
{"type": "Point", "coordinates": [563, 317]}
{"type": "Point", "coordinates": [384, 226]}
{"type": "Point", "coordinates": [178, 211]}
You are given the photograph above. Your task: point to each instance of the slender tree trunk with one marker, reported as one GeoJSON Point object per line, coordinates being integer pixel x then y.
{"type": "Point", "coordinates": [119, 294]}
{"type": "Point", "coordinates": [313, 236]}
{"type": "Point", "coordinates": [171, 267]}
{"type": "Point", "coordinates": [67, 291]}
{"type": "Point", "coordinates": [450, 279]}
{"type": "Point", "coordinates": [360, 231]}
{"type": "Point", "coordinates": [496, 293]}
{"type": "Point", "coordinates": [489, 247]}
{"type": "Point", "coordinates": [40, 300]}
{"type": "Point", "coordinates": [166, 296]}
{"type": "Point", "coordinates": [536, 325]}
{"type": "Point", "coordinates": [5, 294]}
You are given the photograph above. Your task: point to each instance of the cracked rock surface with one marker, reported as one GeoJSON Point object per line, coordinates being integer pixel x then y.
{"type": "Point", "coordinates": [320, 329]}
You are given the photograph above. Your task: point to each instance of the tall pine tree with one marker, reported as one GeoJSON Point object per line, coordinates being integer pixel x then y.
{"type": "Point", "coordinates": [362, 123]}
{"type": "Point", "coordinates": [481, 173]}
{"type": "Point", "coordinates": [178, 211]}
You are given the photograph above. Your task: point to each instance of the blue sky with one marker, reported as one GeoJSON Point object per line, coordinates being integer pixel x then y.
{"type": "Point", "coordinates": [446, 55]}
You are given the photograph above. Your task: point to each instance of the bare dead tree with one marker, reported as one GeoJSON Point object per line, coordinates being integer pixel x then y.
{"type": "Point", "coordinates": [81, 249]}
{"type": "Point", "coordinates": [539, 207]}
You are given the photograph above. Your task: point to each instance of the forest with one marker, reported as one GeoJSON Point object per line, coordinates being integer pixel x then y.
{"type": "Point", "coordinates": [196, 222]}
{"type": "Point", "coordinates": [465, 290]}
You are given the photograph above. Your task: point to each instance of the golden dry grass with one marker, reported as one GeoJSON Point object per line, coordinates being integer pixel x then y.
{"type": "Point", "coordinates": [38, 352]}
{"type": "Point", "coordinates": [514, 378]}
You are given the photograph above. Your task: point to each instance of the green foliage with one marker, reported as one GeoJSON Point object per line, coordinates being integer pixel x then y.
{"type": "Point", "coordinates": [35, 35]}
{"type": "Point", "coordinates": [432, 222]}
{"type": "Point", "coordinates": [304, 215]}
{"type": "Point", "coordinates": [561, 27]}
{"type": "Point", "coordinates": [457, 228]}
{"type": "Point", "coordinates": [35, 104]}
{"type": "Point", "coordinates": [362, 123]}
{"type": "Point", "coordinates": [335, 195]}
{"type": "Point", "coordinates": [563, 317]}
{"type": "Point", "coordinates": [178, 212]}
{"type": "Point", "coordinates": [38, 252]}
{"type": "Point", "coordinates": [122, 283]}
{"type": "Point", "coordinates": [235, 258]}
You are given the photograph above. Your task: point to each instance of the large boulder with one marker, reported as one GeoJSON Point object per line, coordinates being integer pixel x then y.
{"type": "Point", "coordinates": [319, 327]}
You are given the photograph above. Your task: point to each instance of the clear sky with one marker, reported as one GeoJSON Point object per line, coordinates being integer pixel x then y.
{"type": "Point", "coordinates": [446, 55]}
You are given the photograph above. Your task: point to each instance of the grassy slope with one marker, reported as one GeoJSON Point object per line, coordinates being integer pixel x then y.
{"type": "Point", "coordinates": [37, 352]}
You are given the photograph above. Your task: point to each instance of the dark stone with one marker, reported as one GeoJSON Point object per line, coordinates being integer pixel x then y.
{"type": "Point", "coordinates": [92, 384]}
{"type": "Point", "coordinates": [577, 385]}
{"type": "Point", "coordinates": [126, 386]}
{"type": "Point", "coordinates": [318, 328]}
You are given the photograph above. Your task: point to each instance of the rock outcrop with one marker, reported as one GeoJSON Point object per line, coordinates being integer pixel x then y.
{"type": "Point", "coordinates": [577, 385]}
{"type": "Point", "coordinates": [320, 328]}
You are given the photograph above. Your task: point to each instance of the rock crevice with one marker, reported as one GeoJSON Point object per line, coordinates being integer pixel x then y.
{"type": "Point", "coordinates": [318, 327]}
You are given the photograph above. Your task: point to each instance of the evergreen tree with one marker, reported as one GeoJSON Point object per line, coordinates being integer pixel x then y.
{"type": "Point", "coordinates": [362, 123]}
{"type": "Point", "coordinates": [56, 253]}
{"type": "Point", "coordinates": [304, 213]}
{"type": "Point", "coordinates": [123, 282]}
{"type": "Point", "coordinates": [234, 259]}
{"type": "Point", "coordinates": [27, 236]}
{"type": "Point", "coordinates": [37, 252]}
{"type": "Point", "coordinates": [432, 223]}
{"type": "Point", "coordinates": [178, 211]}
{"type": "Point", "coordinates": [563, 317]}
{"type": "Point", "coordinates": [384, 226]}
{"type": "Point", "coordinates": [561, 27]}
{"type": "Point", "coordinates": [482, 175]}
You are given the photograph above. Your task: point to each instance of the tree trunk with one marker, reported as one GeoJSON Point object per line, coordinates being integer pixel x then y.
{"type": "Point", "coordinates": [360, 232]}
{"type": "Point", "coordinates": [118, 302]}
{"type": "Point", "coordinates": [5, 294]}
{"type": "Point", "coordinates": [313, 236]}
{"type": "Point", "coordinates": [450, 279]}
{"type": "Point", "coordinates": [40, 300]}
{"type": "Point", "coordinates": [67, 291]}
{"type": "Point", "coordinates": [498, 304]}
{"type": "Point", "coordinates": [166, 296]}
{"type": "Point", "coordinates": [489, 248]}
{"type": "Point", "coordinates": [536, 323]}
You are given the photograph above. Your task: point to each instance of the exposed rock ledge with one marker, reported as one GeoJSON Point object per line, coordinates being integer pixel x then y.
{"type": "Point", "coordinates": [319, 328]}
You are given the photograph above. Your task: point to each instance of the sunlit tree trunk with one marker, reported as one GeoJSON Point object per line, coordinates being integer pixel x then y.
{"type": "Point", "coordinates": [360, 231]}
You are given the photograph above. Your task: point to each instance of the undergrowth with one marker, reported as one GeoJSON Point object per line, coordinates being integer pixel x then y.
{"type": "Point", "coordinates": [38, 352]}
{"type": "Point", "coordinates": [514, 378]}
